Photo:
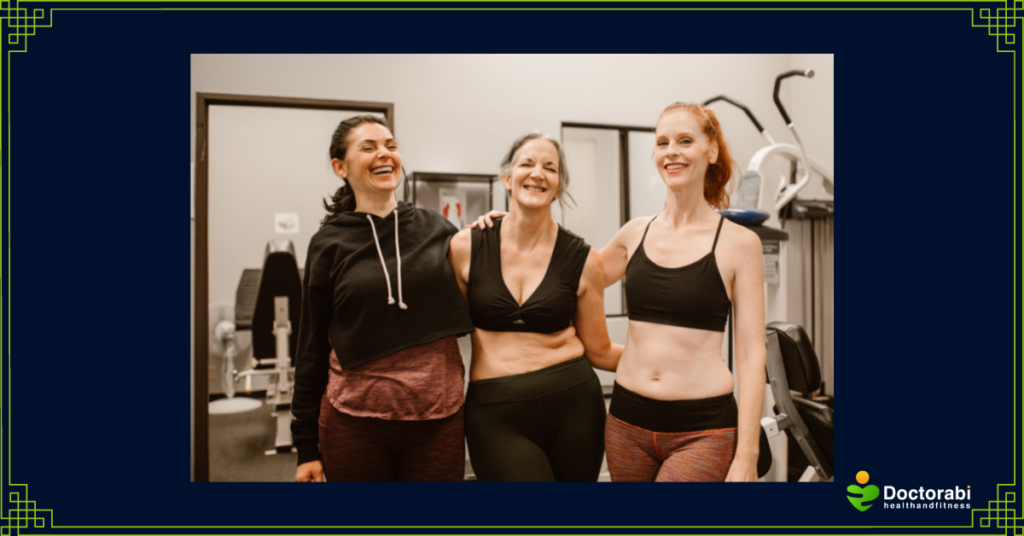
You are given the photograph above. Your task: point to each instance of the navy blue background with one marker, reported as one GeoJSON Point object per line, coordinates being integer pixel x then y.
{"type": "Point", "coordinates": [97, 255]}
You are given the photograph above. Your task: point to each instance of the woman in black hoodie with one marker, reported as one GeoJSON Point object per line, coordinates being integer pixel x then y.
{"type": "Point", "coordinates": [378, 380]}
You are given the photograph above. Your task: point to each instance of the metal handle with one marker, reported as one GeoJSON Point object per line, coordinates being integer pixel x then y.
{"type": "Point", "coordinates": [809, 73]}
{"type": "Point", "coordinates": [740, 106]}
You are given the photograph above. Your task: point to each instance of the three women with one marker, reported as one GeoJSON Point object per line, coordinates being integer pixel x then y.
{"type": "Point", "coordinates": [534, 408]}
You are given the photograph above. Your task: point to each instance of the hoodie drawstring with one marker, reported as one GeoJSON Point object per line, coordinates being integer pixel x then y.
{"type": "Point", "coordinates": [398, 254]}
{"type": "Point", "coordinates": [380, 254]}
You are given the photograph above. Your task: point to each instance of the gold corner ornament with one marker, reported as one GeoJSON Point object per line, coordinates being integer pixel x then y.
{"type": "Point", "coordinates": [19, 513]}
{"type": "Point", "coordinates": [1002, 23]}
{"type": "Point", "coordinates": [1002, 513]}
{"type": "Point", "coordinates": [21, 23]}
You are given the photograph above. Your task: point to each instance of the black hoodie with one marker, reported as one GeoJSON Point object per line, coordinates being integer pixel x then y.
{"type": "Point", "coordinates": [346, 301]}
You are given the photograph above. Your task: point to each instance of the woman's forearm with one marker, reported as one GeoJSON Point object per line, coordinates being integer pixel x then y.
{"type": "Point", "coordinates": [606, 358]}
{"type": "Point", "coordinates": [751, 402]}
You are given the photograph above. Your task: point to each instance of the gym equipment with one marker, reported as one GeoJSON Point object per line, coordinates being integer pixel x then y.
{"type": "Point", "coordinates": [792, 365]}
{"type": "Point", "coordinates": [267, 302]}
{"type": "Point", "coordinates": [801, 165]}
{"type": "Point", "coordinates": [225, 346]}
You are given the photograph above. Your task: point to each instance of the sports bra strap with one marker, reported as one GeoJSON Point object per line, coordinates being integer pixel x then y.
{"type": "Point", "coordinates": [717, 233]}
{"type": "Point", "coordinates": [648, 227]}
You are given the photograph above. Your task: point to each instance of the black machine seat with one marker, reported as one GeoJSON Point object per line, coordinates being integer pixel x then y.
{"type": "Point", "coordinates": [254, 298]}
{"type": "Point", "coordinates": [793, 366]}
{"type": "Point", "coordinates": [802, 370]}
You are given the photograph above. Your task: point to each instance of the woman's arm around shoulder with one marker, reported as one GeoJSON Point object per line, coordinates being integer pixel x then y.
{"type": "Point", "coordinates": [590, 322]}
{"type": "Point", "coordinates": [615, 255]}
{"type": "Point", "coordinates": [748, 305]}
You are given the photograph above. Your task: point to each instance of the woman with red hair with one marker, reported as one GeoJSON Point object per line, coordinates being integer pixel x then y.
{"type": "Point", "coordinates": [673, 416]}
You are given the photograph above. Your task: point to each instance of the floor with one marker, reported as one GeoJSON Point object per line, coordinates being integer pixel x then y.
{"type": "Point", "coordinates": [238, 442]}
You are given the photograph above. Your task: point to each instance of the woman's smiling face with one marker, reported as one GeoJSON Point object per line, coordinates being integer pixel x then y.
{"type": "Point", "coordinates": [533, 180]}
{"type": "Point", "coordinates": [372, 160]}
{"type": "Point", "coordinates": [681, 150]}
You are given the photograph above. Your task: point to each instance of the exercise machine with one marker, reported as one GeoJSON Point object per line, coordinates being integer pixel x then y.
{"type": "Point", "coordinates": [793, 367]}
{"type": "Point", "coordinates": [766, 160]}
{"type": "Point", "coordinates": [268, 302]}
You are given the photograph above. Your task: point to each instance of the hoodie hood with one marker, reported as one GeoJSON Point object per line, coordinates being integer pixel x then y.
{"type": "Point", "coordinates": [351, 218]}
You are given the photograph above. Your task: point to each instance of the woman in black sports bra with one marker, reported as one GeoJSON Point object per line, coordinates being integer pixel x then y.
{"type": "Point", "coordinates": [673, 416]}
{"type": "Point", "coordinates": [534, 408]}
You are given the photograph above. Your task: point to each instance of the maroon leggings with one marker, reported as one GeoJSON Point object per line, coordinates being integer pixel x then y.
{"type": "Point", "coordinates": [366, 449]}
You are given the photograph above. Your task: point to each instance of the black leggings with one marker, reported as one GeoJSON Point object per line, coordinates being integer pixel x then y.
{"type": "Point", "coordinates": [542, 426]}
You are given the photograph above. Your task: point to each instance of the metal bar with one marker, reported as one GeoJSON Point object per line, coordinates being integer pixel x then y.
{"type": "Point", "coordinates": [807, 282]}
{"type": "Point", "coordinates": [819, 287]}
{"type": "Point", "coordinates": [826, 304]}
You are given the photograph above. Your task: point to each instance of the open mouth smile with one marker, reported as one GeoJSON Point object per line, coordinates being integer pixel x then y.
{"type": "Point", "coordinates": [383, 170]}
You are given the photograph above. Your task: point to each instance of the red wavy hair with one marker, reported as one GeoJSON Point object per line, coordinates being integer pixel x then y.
{"type": "Point", "coordinates": [716, 179]}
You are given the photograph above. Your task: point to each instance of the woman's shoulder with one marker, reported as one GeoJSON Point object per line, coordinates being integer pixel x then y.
{"type": "Point", "coordinates": [325, 236]}
{"type": "Point", "coordinates": [462, 240]}
{"type": "Point", "coordinates": [631, 231]}
{"type": "Point", "coordinates": [572, 239]}
{"type": "Point", "coordinates": [739, 239]}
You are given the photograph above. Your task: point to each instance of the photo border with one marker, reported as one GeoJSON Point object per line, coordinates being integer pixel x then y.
{"type": "Point", "coordinates": [19, 24]}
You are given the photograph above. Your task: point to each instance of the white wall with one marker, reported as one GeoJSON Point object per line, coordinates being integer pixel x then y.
{"type": "Point", "coordinates": [811, 106]}
{"type": "Point", "coordinates": [264, 161]}
{"type": "Point", "coordinates": [459, 113]}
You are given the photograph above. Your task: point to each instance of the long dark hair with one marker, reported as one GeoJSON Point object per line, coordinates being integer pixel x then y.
{"type": "Point", "coordinates": [345, 199]}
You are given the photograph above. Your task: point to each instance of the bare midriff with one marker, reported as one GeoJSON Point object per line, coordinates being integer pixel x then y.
{"type": "Point", "coordinates": [505, 353]}
{"type": "Point", "coordinates": [666, 362]}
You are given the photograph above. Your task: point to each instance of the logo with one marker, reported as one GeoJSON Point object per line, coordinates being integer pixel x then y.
{"type": "Point", "coordinates": [920, 498]}
{"type": "Point", "coordinates": [858, 495]}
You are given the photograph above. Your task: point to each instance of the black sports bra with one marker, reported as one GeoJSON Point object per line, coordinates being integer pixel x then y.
{"type": "Point", "coordinates": [691, 296]}
{"type": "Point", "coordinates": [549, 309]}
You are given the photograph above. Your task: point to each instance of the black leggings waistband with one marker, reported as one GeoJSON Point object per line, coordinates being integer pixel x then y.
{"type": "Point", "coordinates": [673, 416]}
{"type": "Point", "coordinates": [543, 382]}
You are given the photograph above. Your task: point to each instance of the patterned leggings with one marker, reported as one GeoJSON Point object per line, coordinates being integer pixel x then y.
{"type": "Point", "coordinates": [366, 449]}
{"type": "Point", "coordinates": [670, 441]}
{"type": "Point", "coordinates": [638, 455]}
